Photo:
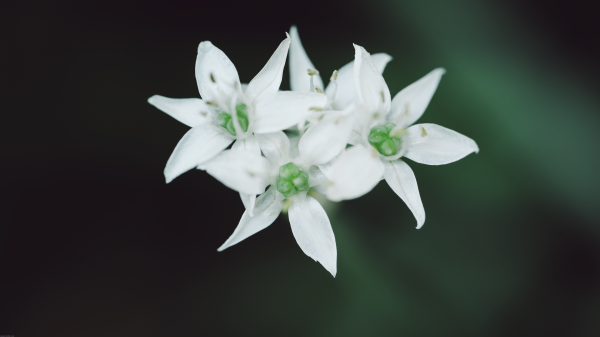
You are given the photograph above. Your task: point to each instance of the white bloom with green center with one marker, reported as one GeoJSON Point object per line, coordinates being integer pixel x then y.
{"type": "Point", "coordinates": [229, 111]}
{"type": "Point", "coordinates": [289, 180]}
{"type": "Point", "coordinates": [384, 134]}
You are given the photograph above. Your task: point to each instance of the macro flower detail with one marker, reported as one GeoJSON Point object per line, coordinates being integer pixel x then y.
{"type": "Point", "coordinates": [340, 91]}
{"type": "Point", "coordinates": [383, 135]}
{"type": "Point", "coordinates": [341, 140]}
{"type": "Point", "coordinates": [229, 111]}
{"type": "Point", "coordinates": [289, 179]}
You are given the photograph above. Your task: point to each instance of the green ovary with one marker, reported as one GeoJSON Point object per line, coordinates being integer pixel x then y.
{"type": "Point", "coordinates": [380, 138]}
{"type": "Point", "coordinates": [224, 119]}
{"type": "Point", "coordinates": [291, 180]}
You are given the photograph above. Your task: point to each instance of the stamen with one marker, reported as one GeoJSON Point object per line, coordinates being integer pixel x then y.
{"type": "Point", "coordinates": [311, 73]}
{"type": "Point", "coordinates": [334, 75]}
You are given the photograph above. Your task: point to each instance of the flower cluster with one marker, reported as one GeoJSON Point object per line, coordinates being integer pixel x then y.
{"type": "Point", "coordinates": [339, 141]}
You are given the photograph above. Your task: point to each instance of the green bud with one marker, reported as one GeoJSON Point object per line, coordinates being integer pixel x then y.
{"type": "Point", "coordinates": [225, 121]}
{"type": "Point", "coordinates": [286, 187]}
{"type": "Point", "coordinates": [289, 171]}
{"type": "Point", "coordinates": [242, 113]}
{"type": "Point", "coordinates": [389, 147]}
{"type": "Point", "coordinates": [291, 180]}
{"type": "Point", "coordinates": [380, 138]}
{"type": "Point", "coordinates": [301, 181]}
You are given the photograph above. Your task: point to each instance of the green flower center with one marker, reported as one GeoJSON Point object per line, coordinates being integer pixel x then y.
{"type": "Point", "coordinates": [224, 119]}
{"type": "Point", "coordinates": [291, 180]}
{"type": "Point", "coordinates": [380, 138]}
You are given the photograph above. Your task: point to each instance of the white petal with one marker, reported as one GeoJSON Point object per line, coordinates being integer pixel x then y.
{"type": "Point", "coordinates": [345, 93]}
{"type": "Point", "coordinates": [410, 103]}
{"type": "Point", "coordinates": [299, 65]}
{"type": "Point", "coordinates": [268, 80]}
{"type": "Point", "coordinates": [402, 180]}
{"type": "Point", "coordinates": [432, 144]}
{"type": "Point", "coordinates": [216, 76]}
{"type": "Point", "coordinates": [371, 88]}
{"type": "Point", "coordinates": [275, 146]}
{"type": "Point", "coordinates": [354, 173]}
{"type": "Point", "coordinates": [327, 138]}
{"type": "Point", "coordinates": [198, 145]}
{"type": "Point", "coordinates": [189, 111]}
{"type": "Point", "coordinates": [294, 140]}
{"type": "Point", "coordinates": [249, 201]}
{"type": "Point", "coordinates": [249, 145]}
{"type": "Point", "coordinates": [240, 170]}
{"type": "Point", "coordinates": [313, 232]}
{"type": "Point", "coordinates": [284, 109]}
{"type": "Point", "coordinates": [326, 168]}
{"type": "Point", "coordinates": [268, 207]}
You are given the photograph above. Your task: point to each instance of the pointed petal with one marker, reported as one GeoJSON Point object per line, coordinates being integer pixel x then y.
{"type": "Point", "coordinates": [354, 173]}
{"type": "Point", "coordinates": [402, 180]}
{"type": "Point", "coordinates": [240, 170]}
{"type": "Point", "coordinates": [313, 232]}
{"type": "Point", "coordinates": [371, 88]}
{"type": "Point", "coordinates": [410, 103]}
{"type": "Point", "coordinates": [299, 65]}
{"type": "Point", "coordinates": [268, 207]}
{"type": "Point", "coordinates": [432, 144]}
{"type": "Point", "coordinates": [216, 76]}
{"type": "Point", "coordinates": [249, 201]}
{"type": "Point", "coordinates": [249, 145]}
{"type": "Point", "coordinates": [275, 146]}
{"type": "Point", "coordinates": [345, 93]}
{"type": "Point", "coordinates": [198, 145]}
{"type": "Point", "coordinates": [327, 138]}
{"type": "Point", "coordinates": [189, 111]}
{"type": "Point", "coordinates": [268, 80]}
{"type": "Point", "coordinates": [284, 109]}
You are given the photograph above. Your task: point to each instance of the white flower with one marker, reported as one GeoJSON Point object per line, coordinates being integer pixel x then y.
{"type": "Point", "coordinates": [289, 178]}
{"type": "Point", "coordinates": [383, 136]}
{"type": "Point", "coordinates": [229, 111]}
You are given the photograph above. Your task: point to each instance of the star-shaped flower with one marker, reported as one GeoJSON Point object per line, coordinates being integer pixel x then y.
{"type": "Point", "coordinates": [289, 179]}
{"type": "Point", "coordinates": [383, 135]}
{"type": "Point", "coordinates": [230, 111]}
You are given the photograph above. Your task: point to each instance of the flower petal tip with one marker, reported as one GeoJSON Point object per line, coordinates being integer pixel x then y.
{"type": "Point", "coordinates": [204, 46]}
{"type": "Point", "coordinates": [440, 70]}
{"type": "Point", "coordinates": [152, 100]}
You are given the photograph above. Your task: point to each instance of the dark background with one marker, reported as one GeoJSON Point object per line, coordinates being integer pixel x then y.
{"type": "Point", "coordinates": [94, 243]}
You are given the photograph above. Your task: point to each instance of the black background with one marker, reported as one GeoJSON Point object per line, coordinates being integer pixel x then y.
{"type": "Point", "coordinates": [93, 241]}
